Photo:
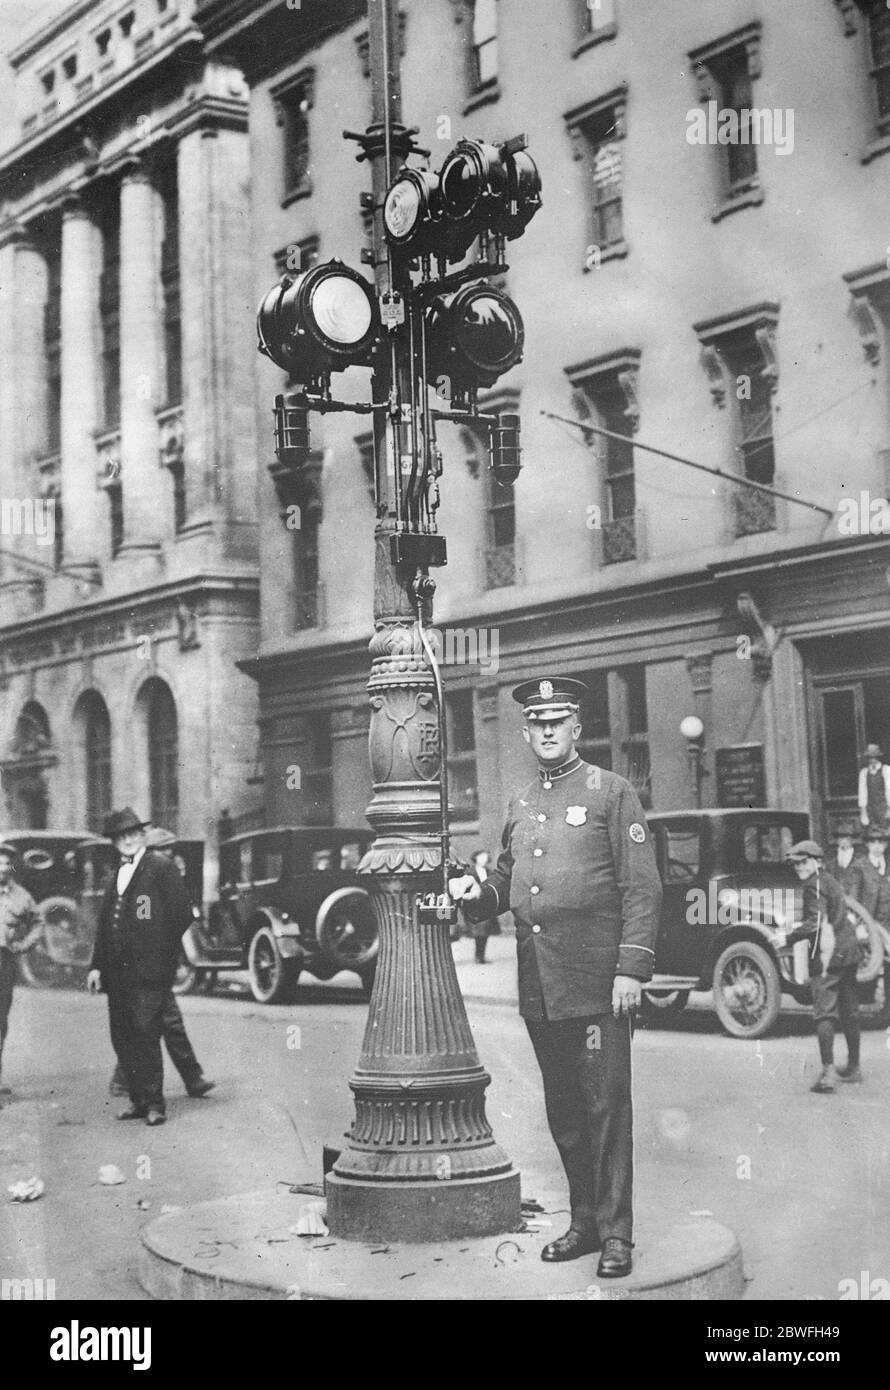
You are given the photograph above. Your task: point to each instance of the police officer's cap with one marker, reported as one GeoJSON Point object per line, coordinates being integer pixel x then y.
{"type": "Point", "coordinates": [554, 697]}
{"type": "Point", "coordinates": [805, 849]}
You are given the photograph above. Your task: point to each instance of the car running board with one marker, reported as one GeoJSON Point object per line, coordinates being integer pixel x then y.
{"type": "Point", "coordinates": [667, 984]}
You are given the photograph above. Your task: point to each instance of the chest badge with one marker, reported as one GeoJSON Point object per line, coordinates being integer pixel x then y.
{"type": "Point", "coordinates": [637, 833]}
{"type": "Point", "coordinates": [576, 815]}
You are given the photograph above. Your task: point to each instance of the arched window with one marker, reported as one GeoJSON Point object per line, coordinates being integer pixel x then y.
{"type": "Point", "coordinates": [92, 718]}
{"type": "Point", "coordinates": [163, 753]}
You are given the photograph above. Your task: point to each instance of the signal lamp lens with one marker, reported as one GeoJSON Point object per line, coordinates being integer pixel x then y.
{"type": "Point", "coordinates": [401, 211]}
{"type": "Point", "coordinates": [461, 185]}
{"type": "Point", "coordinates": [342, 310]}
{"type": "Point", "coordinates": [475, 336]}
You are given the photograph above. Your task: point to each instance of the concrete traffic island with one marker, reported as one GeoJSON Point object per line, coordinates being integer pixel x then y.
{"type": "Point", "coordinates": [244, 1247]}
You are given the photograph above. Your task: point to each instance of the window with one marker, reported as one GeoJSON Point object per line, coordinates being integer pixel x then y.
{"type": "Point", "coordinates": [69, 66]}
{"type": "Point", "coordinates": [463, 791]}
{"type": "Point", "coordinates": [163, 754]}
{"type": "Point", "coordinates": [681, 844]}
{"type": "Point", "coordinates": [725, 72]}
{"type": "Point", "coordinates": [125, 23]}
{"type": "Point", "coordinates": [293, 102]}
{"type": "Point", "coordinates": [298, 256]}
{"type": "Point", "coordinates": [597, 132]}
{"type": "Point", "coordinates": [116, 516]}
{"type": "Point", "coordinates": [108, 218]}
{"type": "Point", "coordinates": [52, 344]}
{"type": "Point", "coordinates": [316, 760]}
{"type": "Point", "coordinates": [767, 844]}
{"type": "Point", "coordinates": [48, 81]}
{"type": "Point", "coordinates": [102, 41]}
{"type": "Point", "coordinates": [58, 532]}
{"type": "Point", "coordinates": [739, 350]}
{"type": "Point", "coordinates": [170, 284]}
{"type": "Point", "coordinates": [597, 22]}
{"type": "Point", "coordinates": [605, 392]}
{"type": "Point", "coordinates": [500, 551]}
{"type": "Point", "coordinates": [485, 43]}
{"type": "Point", "coordinates": [879, 53]}
{"type": "Point", "coordinates": [96, 730]}
{"type": "Point", "coordinates": [306, 585]}
{"type": "Point", "coordinates": [595, 743]}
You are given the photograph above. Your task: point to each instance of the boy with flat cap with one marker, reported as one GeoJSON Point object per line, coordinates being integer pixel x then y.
{"type": "Point", "coordinates": [834, 960]}
{"type": "Point", "coordinates": [142, 919]}
{"type": "Point", "coordinates": [578, 872]}
{"type": "Point", "coordinates": [18, 911]}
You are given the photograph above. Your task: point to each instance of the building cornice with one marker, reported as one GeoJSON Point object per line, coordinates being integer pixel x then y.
{"type": "Point", "coordinates": [48, 32]}
{"type": "Point", "coordinates": [264, 38]}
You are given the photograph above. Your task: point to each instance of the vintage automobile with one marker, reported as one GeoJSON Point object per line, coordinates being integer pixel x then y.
{"type": "Point", "coordinates": [289, 899]}
{"type": "Point", "coordinates": [727, 889]}
{"type": "Point", "coordinates": [67, 874]}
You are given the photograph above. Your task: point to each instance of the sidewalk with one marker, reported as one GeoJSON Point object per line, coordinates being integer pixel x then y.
{"type": "Point", "coordinates": [495, 981]}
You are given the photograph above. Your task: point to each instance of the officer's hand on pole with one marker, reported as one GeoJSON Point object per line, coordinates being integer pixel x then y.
{"type": "Point", "coordinates": [626, 995]}
{"type": "Point", "coordinates": [464, 887]}
{"type": "Point", "coordinates": [94, 981]}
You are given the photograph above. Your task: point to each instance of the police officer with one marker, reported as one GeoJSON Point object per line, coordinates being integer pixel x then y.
{"type": "Point", "coordinates": [578, 872]}
{"type": "Point", "coordinates": [18, 911]}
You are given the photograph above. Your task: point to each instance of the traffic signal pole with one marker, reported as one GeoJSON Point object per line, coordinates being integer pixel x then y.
{"type": "Point", "coordinates": [420, 1162]}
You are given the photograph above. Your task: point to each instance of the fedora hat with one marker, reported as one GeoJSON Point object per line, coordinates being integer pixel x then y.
{"type": "Point", "coordinates": [119, 822]}
{"type": "Point", "coordinates": [873, 751]}
{"type": "Point", "coordinates": [874, 832]}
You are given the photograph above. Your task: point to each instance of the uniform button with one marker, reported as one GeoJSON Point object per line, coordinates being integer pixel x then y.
{"type": "Point", "coordinates": [538, 853]}
{"type": "Point", "coordinates": [535, 888]}
{"type": "Point", "coordinates": [542, 817]}
{"type": "Point", "coordinates": [536, 929]}
{"type": "Point", "coordinates": [547, 786]}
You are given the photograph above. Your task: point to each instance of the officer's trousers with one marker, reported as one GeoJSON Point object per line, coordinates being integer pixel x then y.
{"type": "Point", "coordinates": [586, 1069]}
{"type": "Point", "coordinates": [7, 982]}
{"type": "Point", "coordinates": [135, 1017]}
{"type": "Point", "coordinates": [176, 1041]}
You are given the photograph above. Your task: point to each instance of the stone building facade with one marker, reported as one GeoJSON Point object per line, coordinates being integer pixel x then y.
{"type": "Point", "coordinates": [129, 586]}
{"type": "Point", "coordinates": [724, 301]}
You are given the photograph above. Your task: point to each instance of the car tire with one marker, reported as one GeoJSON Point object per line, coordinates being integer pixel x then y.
{"type": "Point", "coordinates": [272, 978]}
{"type": "Point", "coordinates": [346, 931]}
{"type": "Point", "coordinates": [658, 1007]}
{"type": "Point", "coordinates": [876, 1013]}
{"type": "Point", "coordinates": [873, 963]}
{"type": "Point", "coordinates": [747, 990]}
{"type": "Point", "coordinates": [40, 968]}
{"type": "Point", "coordinates": [186, 977]}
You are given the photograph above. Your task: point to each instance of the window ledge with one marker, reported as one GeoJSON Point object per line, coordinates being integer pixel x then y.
{"type": "Point", "coordinates": [485, 96]}
{"type": "Point", "coordinates": [303, 190]}
{"type": "Point", "coordinates": [591, 40]}
{"type": "Point", "coordinates": [880, 145]}
{"type": "Point", "coordinates": [733, 202]}
{"type": "Point", "coordinates": [617, 250]}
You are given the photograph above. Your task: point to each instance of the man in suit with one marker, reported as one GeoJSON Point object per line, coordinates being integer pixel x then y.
{"type": "Point", "coordinates": [843, 865]}
{"type": "Point", "coordinates": [143, 916]}
{"type": "Point", "coordinates": [578, 872]}
{"type": "Point", "coordinates": [874, 889]}
{"type": "Point", "coordinates": [874, 789]}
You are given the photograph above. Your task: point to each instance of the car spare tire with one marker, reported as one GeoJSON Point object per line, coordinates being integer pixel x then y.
{"type": "Point", "coordinates": [346, 931]}
{"type": "Point", "coordinates": [56, 958]}
{"type": "Point", "coordinates": [872, 962]}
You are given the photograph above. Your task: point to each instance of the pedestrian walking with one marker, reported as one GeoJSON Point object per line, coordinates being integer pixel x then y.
{"type": "Point", "coordinates": [487, 926]}
{"type": "Point", "coordinates": [173, 1031]}
{"type": "Point", "coordinates": [578, 871]}
{"type": "Point", "coordinates": [874, 789]}
{"type": "Point", "coordinates": [143, 915]}
{"type": "Point", "coordinates": [18, 913]}
{"type": "Point", "coordinates": [834, 960]}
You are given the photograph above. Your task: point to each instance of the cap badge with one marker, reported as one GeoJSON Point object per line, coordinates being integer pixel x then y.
{"type": "Point", "coordinates": [576, 815]}
{"type": "Point", "coordinates": [545, 690]}
{"type": "Point", "coordinates": [637, 833]}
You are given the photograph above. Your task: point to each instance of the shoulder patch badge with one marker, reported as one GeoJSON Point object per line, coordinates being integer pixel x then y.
{"type": "Point", "coordinates": [637, 833]}
{"type": "Point", "coordinates": [576, 815]}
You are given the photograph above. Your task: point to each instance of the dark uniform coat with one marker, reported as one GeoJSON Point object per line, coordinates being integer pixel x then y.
{"type": "Point", "coordinates": [874, 892]}
{"type": "Point", "coordinates": [578, 871]}
{"type": "Point", "coordinates": [155, 913]}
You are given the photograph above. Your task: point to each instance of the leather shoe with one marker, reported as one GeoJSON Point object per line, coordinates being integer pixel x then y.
{"type": "Point", "coordinates": [131, 1112]}
{"type": "Point", "coordinates": [156, 1117]}
{"type": "Point", "coordinates": [616, 1261]}
{"type": "Point", "coordinates": [200, 1088]}
{"type": "Point", "coordinates": [571, 1246]}
{"type": "Point", "coordinates": [852, 1074]}
{"type": "Point", "coordinates": [825, 1082]}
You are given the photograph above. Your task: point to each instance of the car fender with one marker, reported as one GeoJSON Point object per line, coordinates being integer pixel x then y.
{"type": "Point", "coordinates": [192, 947]}
{"type": "Point", "coordinates": [745, 929]}
{"type": "Point", "coordinates": [285, 929]}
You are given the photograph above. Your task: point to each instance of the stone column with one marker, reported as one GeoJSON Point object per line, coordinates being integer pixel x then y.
{"type": "Point", "coordinates": [81, 262]}
{"type": "Point", "coordinates": [141, 381]}
{"type": "Point", "coordinates": [215, 285]}
{"type": "Point", "coordinates": [23, 287]}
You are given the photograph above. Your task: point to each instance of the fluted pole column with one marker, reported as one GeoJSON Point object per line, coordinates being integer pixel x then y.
{"type": "Point", "coordinates": [141, 358]}
{"type": "Point", "coordinates": [421, 1162]}
{"type": "Point", "coordinates": [81, 252]}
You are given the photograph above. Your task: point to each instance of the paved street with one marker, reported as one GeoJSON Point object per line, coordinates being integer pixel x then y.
{"type": "Point", "coordinates": [722, 1126]}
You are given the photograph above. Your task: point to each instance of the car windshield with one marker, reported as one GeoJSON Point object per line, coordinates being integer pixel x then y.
{"type": "Point", "coordinates": [681, 848]}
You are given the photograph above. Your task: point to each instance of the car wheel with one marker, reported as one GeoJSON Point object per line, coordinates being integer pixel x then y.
{"type": "Point", "coordinates": [876, 1013]}
{"type": "Point", "coordinates": [186, 977]}
{"type": "Point", "coordinates": [870, 968]}
{"type": "Point", "coordinates": [346, 931]}
{"type": "Point", "coordinates": [747, 990]}
{"type": "Point", "coordinates": [51, 961]}
{"type": "Point", "coordinates": [660, 1006]}
{"type": "Point", "coordinates": [272, 979]}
